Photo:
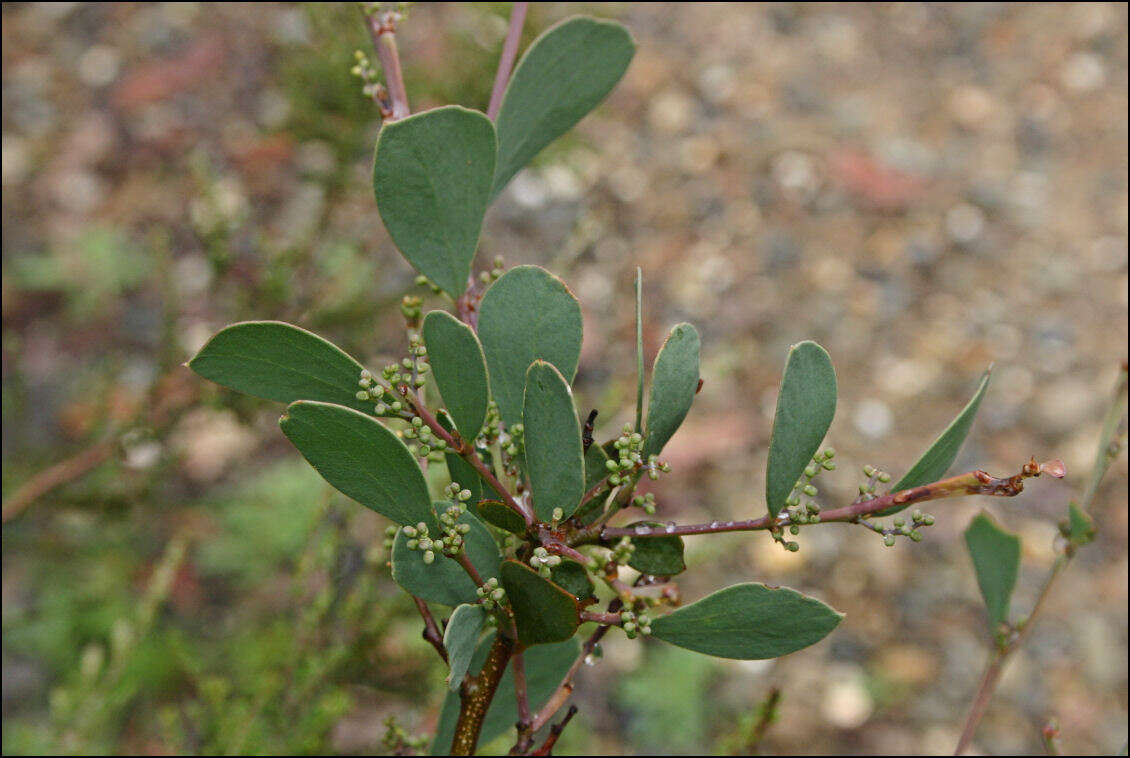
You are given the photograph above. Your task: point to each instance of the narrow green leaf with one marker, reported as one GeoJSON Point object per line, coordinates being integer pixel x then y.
{"type": "Point", "coordinates": [658, 556]}
{"type": "Point", "coordinates": [432, 177]}
{"type": "Point", "coordinates": [444, 580]}
{"type": "Point", "coordinates": [573, 578]}
{"type": "Point", "coordinates": [277, 361]}
{"type": "Point", "coordinates": [460, 640]}
{"type": "Point", "coordinates": [460, 370]}
{"type": "Point", "coordinates": [546, 666]}
{"type": "Point", "coordinates": [674, 379]}
{"type": "Point", "coordinates": [360, 457]}
{"type": "Point", "coordinates": [996, 561]}
{"type": "Point", "coordinates": [639, 350]}
{"type": "Point", "coordinates": [543, 611]}
{"type": "Point", "coordinates": [554, 457]}
{"type": "Point", "coordinates": [527, 315]}
{"type": "Point", "coordinates": [933, 464]}
{"type": "Point", "coordinates": [564, 74]}
{"type": "Point", "coordinates": [748, 622]}
{"type": "Point", "coordinates": [806, 404]}
{"type": "Point", "coordinates": [503, 516]}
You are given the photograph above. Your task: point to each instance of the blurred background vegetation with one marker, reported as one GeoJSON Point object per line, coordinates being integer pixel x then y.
{"type": "Point", "coordinates": [922, 188]}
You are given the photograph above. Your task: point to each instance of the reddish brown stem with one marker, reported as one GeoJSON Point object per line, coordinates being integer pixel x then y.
{"type": "Point", "coordinates": [431, 631]}
{"type": "Point", "coordinates": [59, 474]}
{"type": "Point", "coordinates": [382, 27]}
{"type": "Point", "coordinates": [525, 736]}
{"type": "Point", "coordinates": [509, 54]}
{"type": "Point", "coordinates": [971, 483]}
{"type": "Point", "coordinates": [555, 732]}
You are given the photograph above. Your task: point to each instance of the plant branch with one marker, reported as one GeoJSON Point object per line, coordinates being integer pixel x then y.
{"type": "Point", "coordinates": [525, 735]}
{"type": "Point", "coordinates": [555, 732]}
{"type": "Point", "coordinates": [971, 483]}
{"type": "Point", "coordinates": [476, 695]}
{"type": "Point", "coordinates": [431, 631]}
{"type": "Point", "coordinates": [382, 28]}
{"type": "Point", "coordinates": [509, 54]}
{"type": "Point", "coordinates": [1109, 448]}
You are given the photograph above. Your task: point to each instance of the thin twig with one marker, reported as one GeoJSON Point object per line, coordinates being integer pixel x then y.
{"type": "Point", "coordinates": [555, 732]}
{"type": "Point", "coordinates": [525, 736]}
{"type": "Point", "coordinates": [1108, 450]}
{"type": "Point", "coordinates": [506, 61]}
{"type": "Point", "coordinates": [431, 631]}
{"type": "Point", "coordinates": [971, 483]}
{"type": "Point", "coordinates": [382, 28]}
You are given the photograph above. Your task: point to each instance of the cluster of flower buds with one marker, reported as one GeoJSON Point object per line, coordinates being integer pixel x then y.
{"type": "Point", "coordinates": [779, 536]}
{"type": "Point", "coordinates": [430, 446]}
{"type": "Point", "coordinates": [900, 528]}
{"type": "Point", "coordinates": [489, 277]}
{"type": "Point", "coordinates": [364, 70]}
{"type": "Point", "coordinates": [412, 308]}
{"type": "Point", "coordinates": [645, 501]}
{"type": "Point", "coordinates": [424, 281]}
{"type": "Point", "coordinates": [874, 476]}
{"type": "Point", "coordinates": [386, 404]}
{"type": "Point", "coordinates": [490, 594]}
{"type": "Point", "coordinates": [634, 625]}
{"type": "Point", "coordinates": [544, 562]}
{"type": "Point", "coordinates": [516, 441]}
{"type": "Point", "coordinates": [622, 553]}
{"type": "Point", "coordinates": [492, 424]}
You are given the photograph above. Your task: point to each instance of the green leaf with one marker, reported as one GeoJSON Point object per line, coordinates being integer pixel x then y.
{"type": "Point", "coordinates": [460, 370]}
{"type": "Point", "coordinates": [933, 464]}
{"type": "Point", "coordinates": [503, 516]}
{"type": "Point", "coordinates": [546, 666]}
{"type": "Point", "coordinates": [748, 622]}
{"type": "Point", "coordinates": [460, 640]}
{"type": "Point", "coordinates": [527, 315]}
{"type": "Point", "coordinates": [674, 379]}
{"type": "Point", "coordinates": [595, 466]}
{"type": "Point", "coordinates": [996, 561]}
{"type": "Point", "coordinates": [360, 457]}
{"type": "Point", "coordinates": [444, 580]}
{"type": "Point", "coordinates": [806, 404]}
{"type": "Point", "coordinates": [277, 361]}
{"type": "Point", "coordinates": [432, 178]}
{"type": "Point", "coordinates": [1080, 525]}
{"type": "Point", "coordinates": [564, 74]}
{"type": "Point", "coordinates": [459, 470]}
{"type": "Point", "coordinates": [658, 556]}
{"type": "Point", "coordinates": [554, 458]}
{"type": "Point", "coordinates": [573, 578]}
{"type": "Point", "coordinates": [543, 611]}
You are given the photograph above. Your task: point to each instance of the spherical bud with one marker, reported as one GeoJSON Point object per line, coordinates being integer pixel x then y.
{"type": "Point", "coordinates": [829, 465]}
{"type": "Point", "coordinates": [899, 522]}
{"type": "Point", "coordinates": [884, 477]}
{"type": "Point", "coordinates": [413, 544]}
{"type": "Point", "coordinates": [409, 531]}
{"type": "Point", "coordinates": [794, 529]}
{"type": "Point", "coordinates": [629, 626]}
{"type": "Point", "coordinates": [810, 471]}
{"type": "Point", "coordinates": [829, 453]}
{"type": "Point", "coordinates": [792, 547]}
{"type": "Point", "coordinates": [363, 395]}
{"type": "Point", "coordinates": [889, 540]}
{"type": "Point", "coordinates": [497, 594]}
{"type": "Point", "coordinates": [810, 490]}
{"type": "Point", "coordinates": [558, 514]}
{"type": "Point", "coordinates": [916, 535]}
{"type": "Point", "coordinates": [928, 520]}
{"type": "Point", "coordinates": [429, 557]}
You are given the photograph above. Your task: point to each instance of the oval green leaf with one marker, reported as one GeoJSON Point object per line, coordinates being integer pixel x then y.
{"type": "Point", "coordinates": [806, 404]}
{"type": "Point", "coordinates": [546, 666]}
{"type": "Point", "coordinates": [748, 622]}
{"type": "Point", "coordinates": [658, 556]}
{"type": "Point", "coordinates": [996, 561]}
{"type": "Point", "coordinates": [460, 370]}
{"type": "Point", "coordinates": [503, 516]}
{"type": "Point", "coordinates": [554, 458]}
{"type": "Point", "coordinates": [563, 75]}
{"type": "Point", "coordinates": [278, 361]}
{"type": "Point", "coordinates": [360, 457]}
{"type": "Point", "coordinates": [674, 379]}
{"type": "Point", "coordinates": [543, 611]}
{"type": "Point", "coordinates": [933, 464]}
{"type": "Point", "coordinates": [527, 315]}
{"type": "Point", "coordinates": [444, 580]}
{"type": "Point", "coordinates": [432, 177]}
{"type": "Point", "coordinates": [574, 579]}
{"type": "Point", "coordinates": [460, 639]}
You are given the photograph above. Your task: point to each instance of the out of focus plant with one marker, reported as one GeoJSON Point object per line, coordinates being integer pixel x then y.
{"type": "Point", "coordinates": [506, 513]}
